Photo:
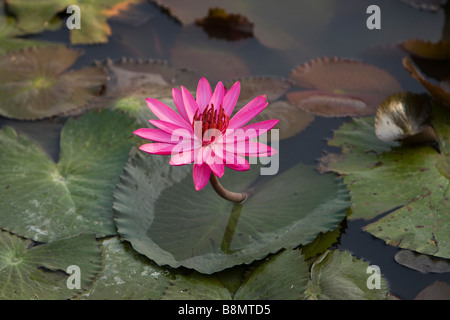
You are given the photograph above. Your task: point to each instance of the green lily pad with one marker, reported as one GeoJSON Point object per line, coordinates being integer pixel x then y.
{"type": "Point", "coordinates": [282, 277]}
{"type": "Point", "coordinates": [35, 16]}
{"type": "Point", "coordinates": [288, 210]}
{"type": "Point", "coordinates": [10, 35]}
{"type": "Point", "coordinates": [411, 182]}
{"type": "Point", "coordinates": [41, 272]}
{"type": "Point", "coordinates": [43, 201]}
{"type": "Point", "coordinates": [34, 83]}
{"type": "Point", "coordinates": [337, 275]}
{"type": "Point", "coordinates": [334, 275]}
{"type": "Point", "coordinates": [126, 275]}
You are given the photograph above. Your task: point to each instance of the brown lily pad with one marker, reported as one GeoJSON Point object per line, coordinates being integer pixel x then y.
{"type": "Point", "coordinates": [439, 92]}
{"type": "Point", "coordinates": [35, 83]}
{"type": "Point", "coordinates": [337, 87]}
{"type": "Point", "coordinates": [428, 50]}
{"type": "Point", "coordinates": [292, 119]}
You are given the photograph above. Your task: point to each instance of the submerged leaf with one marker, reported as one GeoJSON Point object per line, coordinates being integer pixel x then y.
{"type": "Point", "coordinates": [44, 201]}
{"type": "Point", "coordinates": [222, 25]}
{"type": "Point", "coordinates": [35, 83]}
{"type": "Point", "coordinates": [39, 272]}
{"type": "Point", "coordinates": [340, 87]}
{"type": "Point", "coordinates": [282, 212]}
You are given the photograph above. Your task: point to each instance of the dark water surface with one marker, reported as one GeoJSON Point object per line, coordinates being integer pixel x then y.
{"type": "Point", "coordinates": [148, 32]}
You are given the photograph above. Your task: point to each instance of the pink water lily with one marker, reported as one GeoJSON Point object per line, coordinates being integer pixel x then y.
{"type": "Point", "coordinates": [204, 133]}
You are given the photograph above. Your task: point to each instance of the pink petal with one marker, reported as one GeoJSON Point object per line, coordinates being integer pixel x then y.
{"type": "Point", "coordinates": [217, 97]}
{"type": "Point", "coordinates": [173, 129]}
{"type": "Point", "coordinates": [157, 148]}
{"type": "Point", "coordinates": [236, 162]}
{"type": "Point", "coordinates": [230, 99]}
{"type": "Point", "coordinates": [182, 158]}
{"type": "Point", "coordinates": [250, 131]}
{"type": "Point", "coordinates": [189, 103]}
{"type": "Point", "coordinates": [217, 168]}
{"type": "Point", "coordinates": [179, 103]}
{"type": "Point", "coordinates": [154, 135]}
{"type": "Point", "coordinates": [204, 94]}
{"type": "Point", "coordinates": [248, 112]}
{"type": "Point", "coordinates": [250, 148]}
{"type": "Point", "coordinates": [165, 113]}
{"type": "Point", "coordinates": [201, 174]}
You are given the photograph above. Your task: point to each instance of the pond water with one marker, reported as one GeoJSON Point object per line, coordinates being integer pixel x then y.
{"type": "Point", "coordinates": [319, 28]}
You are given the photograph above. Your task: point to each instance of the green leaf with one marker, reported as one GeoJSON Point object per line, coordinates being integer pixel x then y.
{"type": "Point", "coordinates": [282, 277]}
{"type": "Point", "coordinates": [29, 272]}
{"type": "Point", "coordinates": [34, 83]}
{"type": "Point", "coordinates": [44, 201]}
{"type": "Point", "coordinates": [337, 275]}
{"type": "Point", "coordinates": [126, 275]}
{"type": "Point", "coordinates": [284, 211]}
{"type": "Point", "coordinates": [411, 182]}
{"type": "Point", "coordinates": [35, 16]}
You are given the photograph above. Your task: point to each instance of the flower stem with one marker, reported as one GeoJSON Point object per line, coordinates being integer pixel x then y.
{"type": "Point", "coordinates": [224, 193]}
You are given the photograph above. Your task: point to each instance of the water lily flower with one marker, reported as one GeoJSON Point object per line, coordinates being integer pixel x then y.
{"type": "Point", "coordinates": [204, 133]}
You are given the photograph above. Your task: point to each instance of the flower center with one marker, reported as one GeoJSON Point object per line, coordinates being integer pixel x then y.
{"type": "Point", "coordinates": [211, 119]}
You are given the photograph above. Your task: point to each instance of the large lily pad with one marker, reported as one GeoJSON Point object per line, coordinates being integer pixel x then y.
{"type": "Point", "coordinates": [411, 182]}
{"type": "Point", "coordinates": [337, 87]}
{"type": "Point", "coordinates": [34, 16]}
{"type": "Point", "coordinates": [286, 211]}
{"type": "Point", "coordinates": [43, 201]}
{"type": "Point", "coordinates": [34, 83]}
{"type": "Point", "coordinates": [39, 272]}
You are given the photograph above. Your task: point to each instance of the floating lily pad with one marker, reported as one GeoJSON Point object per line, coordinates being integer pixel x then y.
{"type": "Point", "coordinates": [411, 182]}
{"type": "Point", "coordinates": [441, 93]}
{"type": "Point", "coordinates": [337, 87]}
{"type": "Point", "coordinates": [428, 50]}
{"type": "Point", "coordinates": [34, 83]}
{"type": "Point", "coordinates": [422, 262]}
{"type": "Point", "coordinates": [292, 120]}
{"type": "Point", "coordinates": [338, 275]}
{"type": "Point", "coordinates": [126, 275]}
{"type": "Point", "coordinates": [39, 272]}
{"type": "Point", "coordinates": [35, 16]}
{"type": "Point", "coordinates": [286, 211]}
{"type": "Point", "coordinates": [405, 117]}
{"type": "Point", "coordinates": [43, 201]}
{"type": "Point", "coordinates": [436, 291]}
{"type": "Point", "coordinates": [10, 35]}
